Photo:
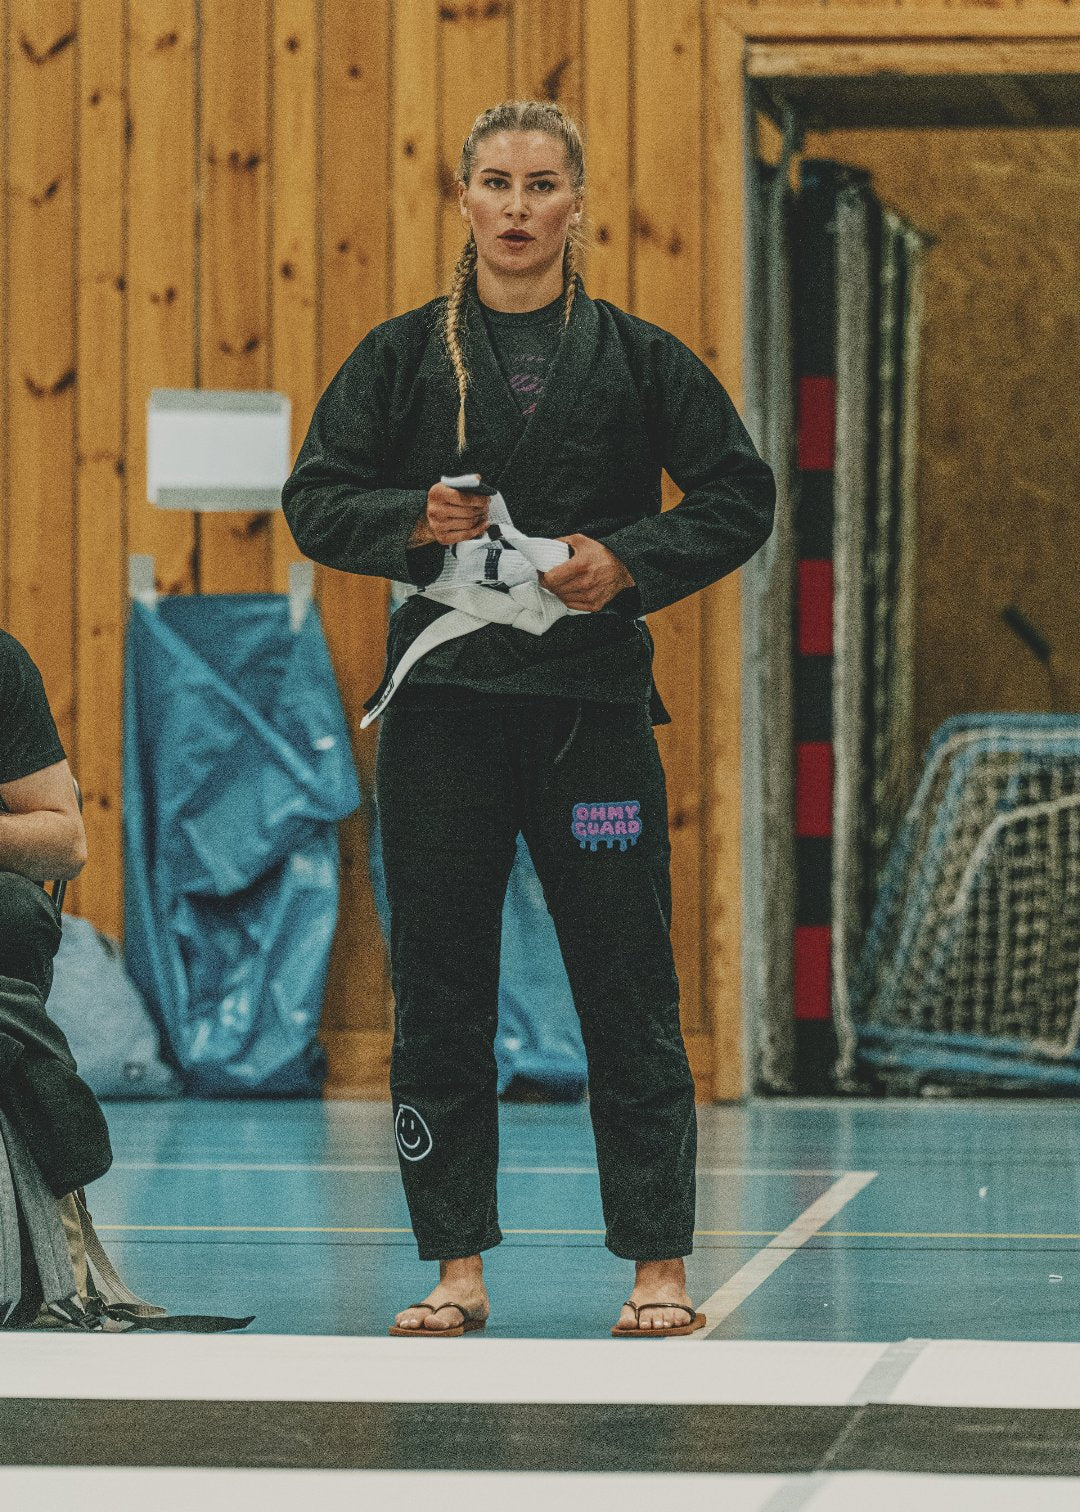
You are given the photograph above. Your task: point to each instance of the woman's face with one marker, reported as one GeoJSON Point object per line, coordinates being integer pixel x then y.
{"type": "Point", "coordinates": [520, 202]}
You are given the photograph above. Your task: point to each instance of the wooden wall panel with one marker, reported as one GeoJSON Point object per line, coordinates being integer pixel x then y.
{"type": "Point", "coordinates": [161, 276]}
{"type": "Point", "coordinates": [547, 51]}
{"type": "Point", "coordinates": [416, 212]}
{"type": "Point", "coordinates": [474, 73]}
{"type": "Point", "coordinates": [294, 202]}
{"type": "Point", "coordinates": [41, 344]}
{"type": "Point", "coordinates": [606, 93]}
{"type": "Point", "coordinates": [235, 549]}
{"type": "Point", "coordinates": [5, 200]}
{"type": "Point", "coordinates": [721, 641]}
{"type": "Point", "coordinates": [354, 274]}
{"type": "Point", "coordinates": [101, 537]}
{"type": "Point", "coordinates": [666, 225]}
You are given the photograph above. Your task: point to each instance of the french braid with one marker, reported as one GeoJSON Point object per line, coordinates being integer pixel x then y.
{"type": "Point", "coordinates": [464, 269]}
{"type": "Point", "coordinates": [511, 115]}
{"type": "Point", "coordinates": [570, 278]}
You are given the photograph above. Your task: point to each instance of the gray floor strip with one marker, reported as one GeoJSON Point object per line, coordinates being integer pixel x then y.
{"type": "Point", "coordinates": [811, 1443]}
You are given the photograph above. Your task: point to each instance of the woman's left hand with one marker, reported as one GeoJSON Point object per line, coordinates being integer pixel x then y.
{"type": "Point", "coordinates": [590, 579]}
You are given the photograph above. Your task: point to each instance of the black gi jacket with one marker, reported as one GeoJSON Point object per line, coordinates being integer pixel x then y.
{"type": "Point", "coordinates": [623, 400]}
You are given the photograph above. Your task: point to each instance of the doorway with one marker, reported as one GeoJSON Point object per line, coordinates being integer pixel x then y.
{"type": "Point", "coordinates": [850, 91]}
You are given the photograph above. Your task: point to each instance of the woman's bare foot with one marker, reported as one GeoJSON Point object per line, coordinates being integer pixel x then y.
{"type": "Point", "coordinates": [658, 1281]}
{"type": "Point", "coordinates": [459, 1281]}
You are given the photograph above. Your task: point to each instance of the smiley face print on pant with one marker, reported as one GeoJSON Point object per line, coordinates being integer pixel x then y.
{"type": "Point", "coordinates": [412, 1133]}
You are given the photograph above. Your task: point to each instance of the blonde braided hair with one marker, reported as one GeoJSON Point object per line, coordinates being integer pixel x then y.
{"type": "Point", "coordinates": [511, 115]}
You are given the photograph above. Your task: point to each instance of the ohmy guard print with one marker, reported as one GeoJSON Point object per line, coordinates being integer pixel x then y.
{"type": "Point", "coordinates": [595, 824]}
{"type": "Point", "coordinates": [412, 1133]}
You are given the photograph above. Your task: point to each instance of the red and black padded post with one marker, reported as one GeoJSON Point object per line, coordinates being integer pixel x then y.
{"type": "Point", "coordinates": [815, 364]}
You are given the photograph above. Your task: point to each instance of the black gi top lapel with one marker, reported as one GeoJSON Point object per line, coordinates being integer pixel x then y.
{"type": "Point", "coordinates": [499, 411]}
{"type": "Point", "coordinates": [523, 462]}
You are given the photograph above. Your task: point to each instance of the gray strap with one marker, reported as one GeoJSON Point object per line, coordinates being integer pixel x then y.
{"type": "Point", "coordinates": [69, 1218]}
{"type": "Point", "coordinates": [110, 1288]}
{"type": "Point", "coordinates": [41, 1216]}
{"type": "Point", "coordinates": [10, 1250]}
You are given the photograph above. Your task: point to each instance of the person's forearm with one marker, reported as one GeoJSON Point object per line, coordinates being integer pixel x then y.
{"type": "Point", "coordinates": [42, 845]}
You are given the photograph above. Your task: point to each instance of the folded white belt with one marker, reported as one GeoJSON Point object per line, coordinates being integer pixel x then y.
{"type": "Point", "coordinates": [490, 580]}
{"type": "Point", "coordinates": [525, 606]}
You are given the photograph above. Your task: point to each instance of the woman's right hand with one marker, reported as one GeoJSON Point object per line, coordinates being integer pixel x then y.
{"type": "Point", "coordinates": [452, 516]}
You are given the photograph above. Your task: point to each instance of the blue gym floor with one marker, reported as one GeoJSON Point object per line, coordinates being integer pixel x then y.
{"type": "Point", "coordinates": [968, 1229]}
{"type": "Point", "coordinates": [891, 1289]}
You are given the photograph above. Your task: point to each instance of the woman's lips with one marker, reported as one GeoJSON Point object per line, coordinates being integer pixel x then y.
{"type": "Point", "coordinates": [518, 237]}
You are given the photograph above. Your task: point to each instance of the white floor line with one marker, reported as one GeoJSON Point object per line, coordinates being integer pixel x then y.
{"type": "Point", "coordinates": [761, 1266]}
{"type": "Point", "coordinates": [107, 1490]}
{"type": "Point", "coordinates": [992, 1373]}
{"type": "Point", "coordinates": [855, 1491]}
{"type": "Point", "coordinates": [793, 1493]}
{"type": "Point", "coordinates": [305, 1368]}
{"type": "Point", "coordinates": [882, 1380]}
{"type": "Point", "coordinates": [350, 1168]}
{"type": "Point", "coordinates": [99, 1490]}
{"type": "Point", "coordinates": [298, 1368]}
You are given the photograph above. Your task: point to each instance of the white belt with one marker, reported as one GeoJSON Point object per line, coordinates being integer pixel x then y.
{"type": "Point", "coordinates": [492, 580]}
{"type": "Point", "coordinates": [487, 581]}
{"type": "Point", "coordinates": [526, 606]}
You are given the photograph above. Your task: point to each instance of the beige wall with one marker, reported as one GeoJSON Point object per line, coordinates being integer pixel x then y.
{"type": "Point", "coordinates": [999, 462]}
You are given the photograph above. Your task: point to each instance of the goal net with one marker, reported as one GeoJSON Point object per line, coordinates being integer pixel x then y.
{"type": "Point", "coordinates": [970, 968]}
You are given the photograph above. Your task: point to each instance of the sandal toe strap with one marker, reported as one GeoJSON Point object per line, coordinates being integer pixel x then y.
{"type": "Point", "coordinates": [680, 1305]}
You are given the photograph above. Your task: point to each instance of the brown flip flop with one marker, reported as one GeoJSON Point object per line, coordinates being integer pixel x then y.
{"type": "Point", "coordinates": [454, 1332]}
{"type": "Point", "coordinates": [697, 1320]}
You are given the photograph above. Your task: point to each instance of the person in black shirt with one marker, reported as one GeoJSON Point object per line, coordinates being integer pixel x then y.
{"type": "Point", "coordinates": [571, 408]}
{"type": "Point", "coordinates": [41, 829]}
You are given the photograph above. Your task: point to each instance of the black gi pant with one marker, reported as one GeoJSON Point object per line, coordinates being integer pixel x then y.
{"type": "Point", "coordinates": [53, 1108]}
{"type": "Point", "coordinates": [458, 774]}
{"type": "Point", "coordinates": [29, 932]}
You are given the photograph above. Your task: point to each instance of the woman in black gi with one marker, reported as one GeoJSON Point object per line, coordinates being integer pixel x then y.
{"type": "Point", "coordinates": [571, 408]}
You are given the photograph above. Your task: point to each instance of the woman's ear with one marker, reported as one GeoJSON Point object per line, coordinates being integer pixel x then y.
{"type": "Point", "coordinates": [462, 190]}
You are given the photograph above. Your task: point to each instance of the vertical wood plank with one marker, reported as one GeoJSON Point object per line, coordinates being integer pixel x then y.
{"type": "Point", "coordinates": [721, 611]}
{"type": "Point", "coordinates": [294, 354]}
{"type": "Point", "coordinates": [354, 253]}
{"type": "Point", "coordinates": [235, 551]}
{"type": "Point", "coordinates": [161, 262]}
{"type": "Point", "coordinates": [666, 222]}
{"type": "Point", "coordinates": [475, 73]}
{"type": "Point", "coordinates": [5, 196]}
{"type": "Point", "coordinates": [547, 52]}
{"type": "Point", "coordinates": [607, 119]}
{"type": "Point", "coordinates": [416, 212]}
{"type": "Point", "coordinates": [100, 392]}
{"type": "Point", "coordinates": [41, 346]}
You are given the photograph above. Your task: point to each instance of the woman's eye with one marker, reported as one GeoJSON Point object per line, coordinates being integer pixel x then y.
{"type": "Point", "coordinates": [545, 184]}
{"type": "Point", "coordinates": [494, 183]}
